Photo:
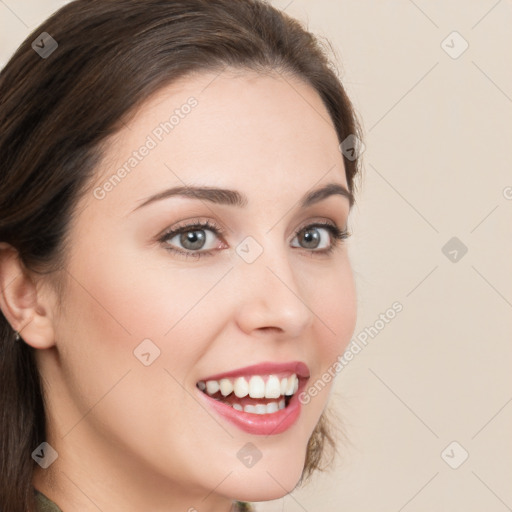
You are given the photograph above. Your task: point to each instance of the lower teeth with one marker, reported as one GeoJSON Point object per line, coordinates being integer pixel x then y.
{"type": "Point", "coordinates": [257, 408]}
{"type": "Point", "coordinates": [269, 408]}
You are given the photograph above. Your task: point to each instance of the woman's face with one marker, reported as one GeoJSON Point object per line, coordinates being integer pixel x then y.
{"type": "Point", "coordinates": [146, 321]}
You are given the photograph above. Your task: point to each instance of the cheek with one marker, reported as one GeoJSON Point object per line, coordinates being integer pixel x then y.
{"type": "Point", "coordinates": [132, 297]}
{"type": "Point", "coordinates": [334, 304]}
{"type": "Point", "coordinates": [109, 312]}
{"type": "Point", "coordinates": [115, 303]}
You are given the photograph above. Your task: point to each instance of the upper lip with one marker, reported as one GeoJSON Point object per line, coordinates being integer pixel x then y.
{"type": "Point", "coordinates": [266, 368]}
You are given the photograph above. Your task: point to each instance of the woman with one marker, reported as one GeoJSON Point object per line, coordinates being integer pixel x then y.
{"type": "Point", "coordinates": [177, 178]}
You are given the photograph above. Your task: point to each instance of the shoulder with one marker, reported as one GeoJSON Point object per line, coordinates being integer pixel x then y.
{"type": "Point", "coordinates": [243, 507]}
{"type": "Point", "coordinates": [44, 504]}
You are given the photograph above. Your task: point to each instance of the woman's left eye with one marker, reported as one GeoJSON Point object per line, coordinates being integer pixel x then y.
{"type": "Point", "coordinates": [198, 239]}
{"type": "Point", "coordinates": [327, 241]}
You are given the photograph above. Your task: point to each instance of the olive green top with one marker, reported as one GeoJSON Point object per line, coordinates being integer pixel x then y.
{"type": "Point", "coordinates": [44, 504]}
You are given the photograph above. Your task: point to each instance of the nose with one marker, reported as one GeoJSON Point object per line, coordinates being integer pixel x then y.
{"type": "Point", "coordinates": [271, 297]}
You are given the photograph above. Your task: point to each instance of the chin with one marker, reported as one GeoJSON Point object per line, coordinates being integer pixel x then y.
{"type": "Point", "coordinates": [270, 479]}
{"type": "Point", "coordinates": [262, 487]}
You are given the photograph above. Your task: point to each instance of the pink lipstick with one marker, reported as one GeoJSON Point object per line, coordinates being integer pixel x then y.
{"type": "Point", "coordinates": [261, 399]}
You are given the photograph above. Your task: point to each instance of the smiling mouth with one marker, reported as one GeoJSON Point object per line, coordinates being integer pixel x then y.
{"type": "Point", "coordinates": [255, 394]}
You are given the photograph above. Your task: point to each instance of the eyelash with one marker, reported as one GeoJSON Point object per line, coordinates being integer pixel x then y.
{"type": "Point", "coordinates": [337, 234]}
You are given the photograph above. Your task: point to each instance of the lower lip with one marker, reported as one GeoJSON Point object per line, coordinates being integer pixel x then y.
{"type": "Point", "coordinates": [259, 424]}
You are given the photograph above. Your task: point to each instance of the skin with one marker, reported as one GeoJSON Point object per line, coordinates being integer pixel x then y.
{"type": "Point", "coordinates": [133, 437]}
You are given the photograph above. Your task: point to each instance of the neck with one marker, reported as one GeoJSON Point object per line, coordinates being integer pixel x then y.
{"type": "Point", "coordinates": [90, 482]}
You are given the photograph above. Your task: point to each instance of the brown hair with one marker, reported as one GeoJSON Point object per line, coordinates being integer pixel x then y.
{"type": "Point", "coordinates": [55, 112]}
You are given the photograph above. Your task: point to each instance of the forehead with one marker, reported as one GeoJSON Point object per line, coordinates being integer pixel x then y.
{"type": "Point", "coordinates": [255, 132]}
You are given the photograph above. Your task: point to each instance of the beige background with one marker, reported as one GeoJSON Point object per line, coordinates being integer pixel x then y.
{"type": "Point", "coordinates": [436, 165]}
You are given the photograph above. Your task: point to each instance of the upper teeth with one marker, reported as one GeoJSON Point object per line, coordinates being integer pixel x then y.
{"type": "Point", "coordinates": [255, 387]}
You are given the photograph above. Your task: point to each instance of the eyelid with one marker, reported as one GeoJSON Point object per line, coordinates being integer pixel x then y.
{"type": "Point", "coordinates": [318, 221]}
{"type": "Point", "coordinates": [189, 225]}
{"type": "Point", "coordinates": [208, 223]}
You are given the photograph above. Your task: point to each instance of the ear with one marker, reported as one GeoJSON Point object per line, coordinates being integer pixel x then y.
{"type": "Point", "coordinates": [23, 302]}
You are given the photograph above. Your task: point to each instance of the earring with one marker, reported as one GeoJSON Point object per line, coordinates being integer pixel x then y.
{"type": "Point", "coordinates": [16, 335]}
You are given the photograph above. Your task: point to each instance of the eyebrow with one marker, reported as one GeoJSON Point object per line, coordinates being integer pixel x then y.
{"type": "Point", "coordinates": [234, 198]}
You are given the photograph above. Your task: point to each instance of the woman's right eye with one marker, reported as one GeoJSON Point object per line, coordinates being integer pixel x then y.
{"type": "Point", "coordinates": [194, 240]}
